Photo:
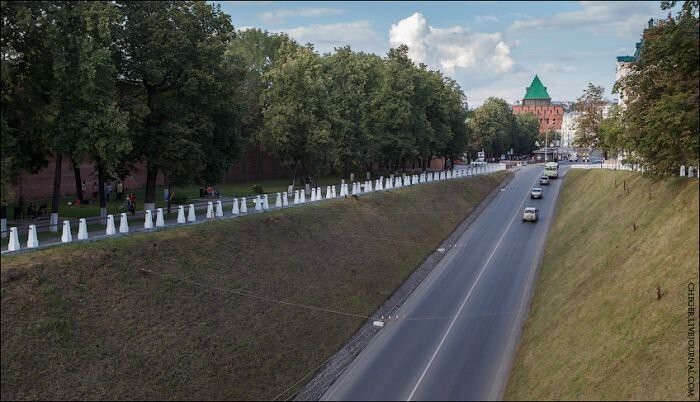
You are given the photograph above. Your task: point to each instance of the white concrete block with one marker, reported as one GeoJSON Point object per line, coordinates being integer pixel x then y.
{"type": "Point", "coordinates": [111, 230]}
{"type": "Point", "coordinates": [333, 195]}
{"type": "Point", "coordinates": [302, 196]}
{"type": "Point", "coordinates": [148, 220]}
{"type": "Point", "coordinates": [124, 222]}
{"type": "Point", "coordinates": [13, 244]}
{"type": "Point", "coordinates": [82, 230]}
{"type": "Point", "coordinates": [278, 202]}
{"type": "Point", "coordinates": [191, 215]}
{"type": "Point", "coordinates": [266, 202]}
{"type": "Point", "coordinates": [210, 210]}
{"type": "Point", "coordinates": [285, 199]}
{"type": "Point", "coordinates": [258, 203]}
{"type": "Point", "coordinates": [244, 205]}
{"type": "Point", "coordinates": [180, 214]}
{"type": "Point", "coordinates": [32, 241]}
{"type": "Point", "coordinates": [160, 219]}
{"type": "Point", "coordinates": [67, 236]}
{"type": "Point", "coordinates": [219, 210]}
{"type": "Point", "coordinates": [296, 197]}
{"type": "Point", "coordinates": [235, 209]}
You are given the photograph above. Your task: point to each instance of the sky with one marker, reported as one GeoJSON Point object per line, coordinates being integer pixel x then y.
{"type": "Point", "coordinates": [489, 48]}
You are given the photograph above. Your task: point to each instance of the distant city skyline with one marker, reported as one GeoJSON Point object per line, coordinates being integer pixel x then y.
{"type": "Point", "coordinates": [489, 48]}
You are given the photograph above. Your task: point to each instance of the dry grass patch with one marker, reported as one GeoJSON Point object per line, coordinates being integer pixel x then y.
{"type": "Point", "coordinates": [82, 321]}
{"type": "Point", "coordinates": [596, 329]}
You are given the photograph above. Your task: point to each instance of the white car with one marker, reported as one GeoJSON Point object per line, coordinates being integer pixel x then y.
{"type": "Point", "coordinates": [544, 180]}
{"type": "Point", "coordinates": [530, 214]}
{"type": "Point", "coordinates": [536, 192]}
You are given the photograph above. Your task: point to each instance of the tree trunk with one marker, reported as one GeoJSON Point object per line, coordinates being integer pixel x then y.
{"type": "Point", "coordinates": [56, 198]}
{"type": "Point", "coordinates": [292, 177]}
{"type": "Point", "coordinates": [78, 181]}
{"type": "Point", "coordinates": [101, 192]}
{"type": "Point", "coordinates": [149, 200]}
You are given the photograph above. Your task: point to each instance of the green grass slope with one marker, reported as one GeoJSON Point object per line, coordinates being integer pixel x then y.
{"type": "Point", "coordinates": [596, 329]}
{"type": "Point", "coordinates": [83, 322]}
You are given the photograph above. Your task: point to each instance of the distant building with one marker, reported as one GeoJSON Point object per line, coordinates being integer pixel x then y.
{"type": "Point", "coordinates": [568, 129]}
{"type": "Point", "coordinates": [538, 102]}
{"type": "Point", "coordinates": [624, 63]}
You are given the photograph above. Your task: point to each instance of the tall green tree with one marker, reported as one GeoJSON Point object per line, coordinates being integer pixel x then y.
{"type": "Point", "coordinates": [295, 128]}
{"type": "Point", "coordinates": [662, 94]}
{"type": "Point", "coordinates": [174, 73]}
{"type": "Point", "coordinates": [492, 125]}
{"type": "Point", "coordinates": [525, 133]}
{"type": "Point", "coordinates": [352, 82]}
{"type": "Point", "coordinates": [25, 83]}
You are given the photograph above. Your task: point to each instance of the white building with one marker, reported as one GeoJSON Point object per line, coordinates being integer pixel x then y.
{"type": "Point", "coordinates": [568, 129]}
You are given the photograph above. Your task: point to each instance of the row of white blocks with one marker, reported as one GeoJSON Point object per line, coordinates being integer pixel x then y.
{"type": "Point", "coordinates": [261, 204]}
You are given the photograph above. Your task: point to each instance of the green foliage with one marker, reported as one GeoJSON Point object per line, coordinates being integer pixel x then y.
{"type": "Point", "coordinates": [257, 189]}
{"type": "Point", "coordinates": [186, 114]}
{"type": "Point", "coordinates": [662, 95]}
{"type": "Point", "coordinates": [173, 85]}
{"type": "Point", "coordinates": [590, 104]}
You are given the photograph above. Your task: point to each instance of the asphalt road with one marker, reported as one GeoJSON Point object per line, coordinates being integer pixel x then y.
{"type": "Point", "coordinates": [457, 334]}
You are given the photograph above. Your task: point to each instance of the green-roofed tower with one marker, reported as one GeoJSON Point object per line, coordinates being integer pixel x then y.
{"type": "Point", "coordinates": [536, 93]}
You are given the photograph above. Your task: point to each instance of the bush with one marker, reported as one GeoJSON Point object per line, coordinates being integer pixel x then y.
{"type": "Point", "coordinates": [257, 189]}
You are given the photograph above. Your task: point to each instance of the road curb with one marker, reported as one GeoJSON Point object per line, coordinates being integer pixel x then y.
{"type": "Point", "coordinates": [329, 372]}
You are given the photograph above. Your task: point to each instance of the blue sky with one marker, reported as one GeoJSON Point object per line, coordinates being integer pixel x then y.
{"type": "Point", "coordinates": [490, 48]}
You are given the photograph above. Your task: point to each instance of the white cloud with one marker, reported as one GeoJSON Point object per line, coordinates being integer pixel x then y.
{"type": "Point", "coordinates": [277, 16]}
{"type": "Point", "coordinates": [452, 49]}
{"type": "Point", "coordinates": [359, 34]}
{"type": "Point", "coordinates": [485, 18]}
{"type": "Point", "coordinates": [624, 19]}
{"type": "Point", "coordinates": [557, 68]}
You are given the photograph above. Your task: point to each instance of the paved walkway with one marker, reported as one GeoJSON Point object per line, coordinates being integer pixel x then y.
{"type": "Point", "coordinates": [137, 222]}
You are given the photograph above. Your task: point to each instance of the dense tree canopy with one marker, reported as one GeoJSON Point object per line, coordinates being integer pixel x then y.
{"type": "Point", "coordinates": [660, 126]}
{"type": "Point", "coordinates": [172, 85]}
{"type": "Point", "coordinates": [497, 130]}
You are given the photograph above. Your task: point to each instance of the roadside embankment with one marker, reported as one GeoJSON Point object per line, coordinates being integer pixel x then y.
{"type": "Point", "coordinates": [609, 318]}
{"type": "Point", "coordinates": [84, 321]}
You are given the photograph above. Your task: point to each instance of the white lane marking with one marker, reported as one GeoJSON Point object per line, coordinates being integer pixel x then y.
{"type": "Point", "coordinates": [464, 302]}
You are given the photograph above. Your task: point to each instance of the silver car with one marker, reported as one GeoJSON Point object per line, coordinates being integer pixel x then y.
{"type": "Point", "coordinates": [544, 180]}
{"type": "Point", "coordinates": [530, 214]}
{"type": "Point", "coordinates": [536, 192]}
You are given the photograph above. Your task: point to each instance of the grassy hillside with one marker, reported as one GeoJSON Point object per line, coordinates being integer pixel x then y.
{"type": "Point", "coordinates": [83, 322]}
{"type": "Point", "coordinates": [596, 329]}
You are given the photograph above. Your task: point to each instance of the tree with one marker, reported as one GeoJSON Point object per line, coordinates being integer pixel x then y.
{"type": "Point", "coordinates": [352, 82]}
{"type": "Point", "coordinates": [492, 124]}
{"type": "Point", "coordinates": [590, 104]}
{"type": "Point", "coordinates": [295, 127]}
{"type": "Point", "coordinates": [663, 100]}
{"type": "Point", "coordinates": [25, 81]}
{"type": "Point", "coordinates": [255, 51]}
{"type": "Point", "coordinates": [175, 85]}
{"type": "Point", "coordinates": [526, 133]}
{"type": "Point", "coordinates": [612, 133]}
{"type": "Point", "coordinates": [391, 121]}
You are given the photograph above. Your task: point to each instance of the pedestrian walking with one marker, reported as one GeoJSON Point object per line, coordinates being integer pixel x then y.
{"type": "Point", "coordinates": [83, 188]}
{"type": "Point", "coordinates": [108, 190]}
{"type": "Point", "coordinates": [120, 190]}
{"type": "Point", "coordinates": [94, 190]}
